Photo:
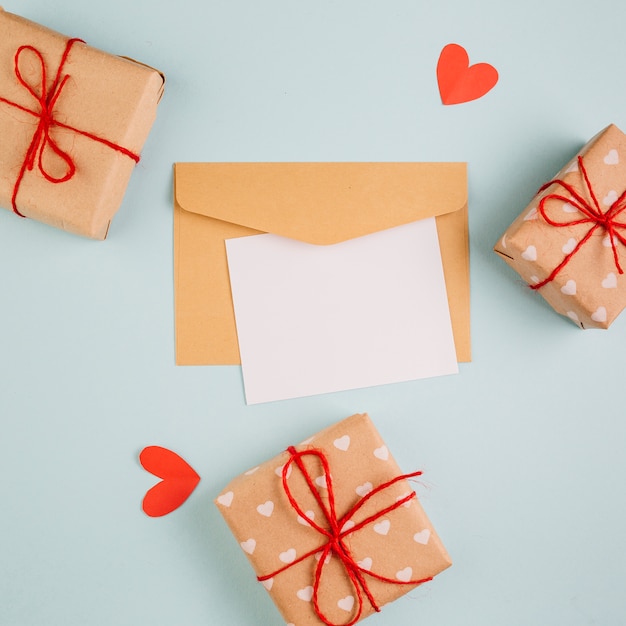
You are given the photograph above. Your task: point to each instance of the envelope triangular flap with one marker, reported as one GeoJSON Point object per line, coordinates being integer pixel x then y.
{"type": "Point", "coordinates": [321, 203]}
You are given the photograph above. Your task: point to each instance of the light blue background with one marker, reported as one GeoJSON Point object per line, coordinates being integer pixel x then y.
{"type": "Point", "coordinates": [523, 450]}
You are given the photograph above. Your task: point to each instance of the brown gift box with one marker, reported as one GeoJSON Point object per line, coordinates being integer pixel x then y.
{"type": "Point", "coordinates": [92, 117]}
{"type": "Point", "coordinates": [399, 544]}
{"type": "Point", "coordinates": [572, 262]}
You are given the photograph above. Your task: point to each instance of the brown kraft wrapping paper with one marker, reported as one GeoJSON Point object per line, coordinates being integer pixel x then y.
{"type": "Point", "coordinates": [575, 262]}
{"type": "Point", "coordinates": [48, 108]}
{"type": "Point", "coordinates": [400, 544]}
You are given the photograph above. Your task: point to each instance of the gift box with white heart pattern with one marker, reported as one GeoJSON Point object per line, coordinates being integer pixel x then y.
{"type": "Point", "coordinates": [569, 242]}
{"type": "Point", "coordinates": [332, 528]}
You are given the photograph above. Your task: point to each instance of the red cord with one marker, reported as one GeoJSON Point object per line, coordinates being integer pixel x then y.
{"type": "Point", "coordinates": [42, 137]}
{"type": "Point", "coordinates": [334, 535]}
{"type": "Point", "coordinates": [593, 215]}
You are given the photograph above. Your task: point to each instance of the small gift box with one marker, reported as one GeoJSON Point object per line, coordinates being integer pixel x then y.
{"type": "Point", "coordinates": [73, 120]}
{"type": "Point", "coordinates": [332, 528]}
{"type": "Point", "coordinates": [568, 243]}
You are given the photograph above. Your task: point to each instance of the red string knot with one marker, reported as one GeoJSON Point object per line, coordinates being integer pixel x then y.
{"type": "Point", "coordinates": [42, 139]}
{"type": "Point", "coordinates": [336, 531]}
{"type": "Point", "coordinates": [591, 214]}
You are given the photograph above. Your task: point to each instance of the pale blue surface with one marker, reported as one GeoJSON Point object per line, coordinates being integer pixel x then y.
{"type": "Point", "coordinates": [523, 450]}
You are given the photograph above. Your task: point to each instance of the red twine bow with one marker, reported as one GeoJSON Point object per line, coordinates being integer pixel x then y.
{"type": "Point", "coordinates": [592, 215]}
{"type": "Point", "coordinates": [336, 533]}
{"type": "Point", "coordinates": [42, 138]}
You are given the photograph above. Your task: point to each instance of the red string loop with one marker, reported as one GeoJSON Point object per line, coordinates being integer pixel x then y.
{"type": "Point", "coordinates": [592, 214]}
{"type": "Point", "coordinates": [42, 139]}
{"type": "Point", "coordinates": [335, 532]}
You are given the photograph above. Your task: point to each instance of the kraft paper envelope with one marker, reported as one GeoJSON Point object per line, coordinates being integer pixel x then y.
{"type": "Point", "coordinates": [318, 203]}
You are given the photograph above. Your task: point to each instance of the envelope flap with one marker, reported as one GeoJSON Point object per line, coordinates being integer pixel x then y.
{"type": "Point", "coordinates": [320, 203]}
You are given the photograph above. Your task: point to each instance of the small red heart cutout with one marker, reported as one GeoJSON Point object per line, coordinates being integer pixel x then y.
{"type": "Point", "coordinates": [179, 480]}
{"type": "Point", "coordinates": [458, 80]}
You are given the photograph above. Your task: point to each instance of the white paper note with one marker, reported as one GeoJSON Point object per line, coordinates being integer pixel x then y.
{"type": "Point", "coordinates": [315, 319]}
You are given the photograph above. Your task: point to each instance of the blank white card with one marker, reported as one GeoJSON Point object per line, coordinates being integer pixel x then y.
{"type": "Point", "coordinates": [316, 319]}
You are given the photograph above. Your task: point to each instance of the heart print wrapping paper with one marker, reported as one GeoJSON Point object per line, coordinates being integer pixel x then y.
{"type": "Point", "coordinates": [568, 243]}
{"type": "Point", "coordinates": [400, 545]}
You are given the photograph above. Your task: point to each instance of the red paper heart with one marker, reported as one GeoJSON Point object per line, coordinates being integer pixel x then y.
{"type": "Point", "coordinates": [458, 81]}
{"type": "Point", "coordinates": [179, 480]}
